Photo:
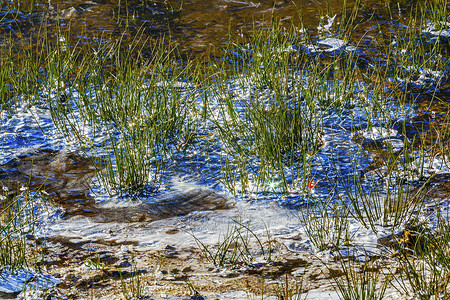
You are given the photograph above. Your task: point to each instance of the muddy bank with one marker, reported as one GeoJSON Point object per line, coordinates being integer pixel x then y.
{"type": "Point", "coordinates": [101, 270]}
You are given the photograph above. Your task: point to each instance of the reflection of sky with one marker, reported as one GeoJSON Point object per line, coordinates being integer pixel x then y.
{"type": "Point", "coordinates": [27, 129]}
{"type": "Point", "coordinates": [16, 281]}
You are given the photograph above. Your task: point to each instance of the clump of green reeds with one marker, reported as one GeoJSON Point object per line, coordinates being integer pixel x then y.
{"type": "Point", "coordinates": [130, 111]}
{"type": "Point", "coordinates": [436, 12]}
{"type": "Point", "coordinates": [269, 115]}
{"type": "Point", "coordinates": [289, 289]}
{"type": "Point", "coordinates": [360, 281]}
{"type": "Point", "coordinates": [16, 222]}
{"type": "Point", "coordinates": [133, 287]}
{"type": "Point", "coordinates": [12, 244]}
{"type": "Point", "coordinates": [395, 204]}
{"type": "Point", "coordinates": [235, 247]}
{"type": "Point", "coordinates": [424, 258]}
{"type": "Point", "coordinates": [396, 198]}
{"type": "Point", "coordinates": [326, 223]}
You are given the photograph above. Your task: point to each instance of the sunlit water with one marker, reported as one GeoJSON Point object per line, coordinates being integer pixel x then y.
{"type": "Point", "coordinates": [337, 162]}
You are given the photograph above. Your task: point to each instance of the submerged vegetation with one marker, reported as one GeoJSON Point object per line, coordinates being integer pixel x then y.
{"type": "Point", "coordinates": [262, 123]}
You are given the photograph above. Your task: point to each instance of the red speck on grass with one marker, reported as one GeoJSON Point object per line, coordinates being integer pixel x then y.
{"type": "Point", "coordinates": [311, 184]}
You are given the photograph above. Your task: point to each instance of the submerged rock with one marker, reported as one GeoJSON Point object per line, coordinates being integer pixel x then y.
{"type": "Point", "coordinates": [65, 177]}
{"type": "Point", "coordinates": [62, 175]}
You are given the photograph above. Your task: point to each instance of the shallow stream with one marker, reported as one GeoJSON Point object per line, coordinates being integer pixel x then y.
{"type": "Point", "coordinates": [191, 200]}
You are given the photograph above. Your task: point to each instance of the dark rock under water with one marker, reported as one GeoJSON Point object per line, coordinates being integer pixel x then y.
{"type": "Point", "coordinates": [62, 175]}
{"type": "Point", "coordinates": [65, 177]}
